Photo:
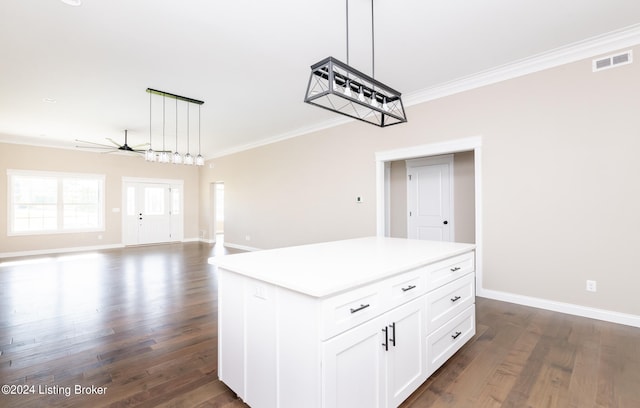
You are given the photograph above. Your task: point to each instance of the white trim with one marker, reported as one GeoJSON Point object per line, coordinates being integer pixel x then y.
{"type": "Point", "coordinates": [568, 308]}
{"type": "Point", "coordinates": [152, 180]}
{"type": "Point", "coordinates": [59, 178]}
{"type": "Point", "coordinates": [337, 121]}
{"type": "Point", "coordinates": [606, 43]}
{"type": "Point", "coordinates": [588, 48]}
{"type": "Point", "coordinates": [473, 143]}
{"type": "Point", "coordinates": [241, 247]}
{"type": "Point", "coordinates": [59, 250]}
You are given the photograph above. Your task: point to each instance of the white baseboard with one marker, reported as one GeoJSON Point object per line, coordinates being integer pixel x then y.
{"type": "Point", "coordinates": [241, 247]}
{"type": "Point", "coordinates": [568, 308]}
{"type": "Point", "coordinates": [59, 250]}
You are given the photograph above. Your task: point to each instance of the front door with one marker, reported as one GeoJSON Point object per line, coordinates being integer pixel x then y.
{"type": "Point", "coordinates": [429, 198]}
{"type": "Point", "coordinates": [152, 213]}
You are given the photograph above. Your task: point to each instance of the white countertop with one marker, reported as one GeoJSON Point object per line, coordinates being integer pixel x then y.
{"type": "Point", "coordinates": [325, 269]}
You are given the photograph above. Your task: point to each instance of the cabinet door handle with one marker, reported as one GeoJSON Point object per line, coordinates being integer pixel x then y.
{"type": "Point", "coordinates": [360, 308]}
{"type": "Point", "coordinates": [455, 299]}
{"type": "Point", "coordinates": [408, 288]}
{"type": "Point", "coordinates": [393, 339]}
{"type": "Point", "coordinates": [386, 339]}
{"type": "Point", "coordinates": [455, 336]}
{"type": "Point", "coordinates": [457, 268]}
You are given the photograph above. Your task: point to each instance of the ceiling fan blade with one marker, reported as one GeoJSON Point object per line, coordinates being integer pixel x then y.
{"type": "Point", "coordinates": [92, 143]}
{"type": "Point", "coordinates": [96, 147]}
{"type": "Point", "coordinates": [116, 144]}
{"type": "Point", "coordinates": [140, 145]}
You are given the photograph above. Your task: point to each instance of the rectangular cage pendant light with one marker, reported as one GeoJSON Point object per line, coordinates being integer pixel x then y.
{"type": "Point", "coordinates": [336, 86]}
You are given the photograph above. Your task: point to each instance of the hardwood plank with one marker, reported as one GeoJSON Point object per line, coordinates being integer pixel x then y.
{"type": "Point", "coordinates": [142, 322]}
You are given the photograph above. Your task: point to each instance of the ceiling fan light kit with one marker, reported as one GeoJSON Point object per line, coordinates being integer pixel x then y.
{"type": "Point", "coordinates": [167, 156]}
{"type": "Point", "coordinates": [336, 86]}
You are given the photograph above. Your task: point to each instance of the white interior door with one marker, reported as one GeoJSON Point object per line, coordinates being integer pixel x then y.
{"type": "Point", "coordinates": [152, 213]}
{"type": "Point", "coordinates": [430, 198]}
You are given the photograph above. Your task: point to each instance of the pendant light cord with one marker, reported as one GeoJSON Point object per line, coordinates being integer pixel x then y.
{"type": "Point", "coordinates": [177, 125]}
{"type": "Point", "coordinates": [163, 148]}
{"type": "Point", "coordinates": [150, 120]}
{"type": "Point", "coordinates": [373, 48]}
{"type": "Point", "coordinates": [347, 31]}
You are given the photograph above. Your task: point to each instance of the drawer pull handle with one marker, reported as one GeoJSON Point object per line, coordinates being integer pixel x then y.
{"type": "Point", "coordinates": [457, 268]}
{"type": "Point", "coordinates": [360, 308]}
{"type": "Point", "coordinates": [408, 288]}
{"type": "Point", "coordinates": [455, 299]}
{"type": "Point", "coordinates": [455, 336]}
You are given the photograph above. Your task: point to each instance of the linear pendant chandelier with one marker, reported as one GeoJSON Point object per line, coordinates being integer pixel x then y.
{"type": "Point", "coordinates": [336, 86]}
{"type": "Point", "coordinates": [168, 156]}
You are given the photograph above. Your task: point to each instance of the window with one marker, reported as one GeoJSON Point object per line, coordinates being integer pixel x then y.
{"type": "Point", "coordinates": [43, 202]}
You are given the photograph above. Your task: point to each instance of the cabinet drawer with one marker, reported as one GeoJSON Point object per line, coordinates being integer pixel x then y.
{"type": "Point", "coordinates": [344, 311]}
{"type": "Point", "coordinates": [447, 301]}
{"type": "Point", "coordinates": [444, 342]}
{"type": "Point", "coordinates": [443, 272]}
{"type": "Point", "coordinates": [403, 288]}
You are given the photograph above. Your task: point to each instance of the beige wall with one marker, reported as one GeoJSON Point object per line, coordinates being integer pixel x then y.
{"type": "Point", "coordinates": [114, 167]}
{"type": "Point", "coordinates": [559, 189]}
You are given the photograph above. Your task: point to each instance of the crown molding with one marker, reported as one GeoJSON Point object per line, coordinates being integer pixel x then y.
{"type": "Point", "coordinates": [589, 48]}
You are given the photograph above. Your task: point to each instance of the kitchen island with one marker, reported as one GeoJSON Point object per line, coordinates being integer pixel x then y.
{"type": "Point", "coordinates": [353, 323]}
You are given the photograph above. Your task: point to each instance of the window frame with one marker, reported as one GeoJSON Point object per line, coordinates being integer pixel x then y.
{"type": "Point", "coordinates": [60, 204]}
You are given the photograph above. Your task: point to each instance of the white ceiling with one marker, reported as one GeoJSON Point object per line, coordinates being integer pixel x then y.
{"type": "Point", "coordinates": [249, 59]}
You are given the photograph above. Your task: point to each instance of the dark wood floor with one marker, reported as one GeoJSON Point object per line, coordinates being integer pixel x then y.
{"type": "Point", "coordinates": [142, 323]}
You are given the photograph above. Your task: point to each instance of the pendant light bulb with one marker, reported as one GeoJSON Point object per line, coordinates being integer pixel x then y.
{"type": "Point", "coordinates": [150, 155]}
{"type": "Point", "coordinates": [188, 159]}
{"type": "Point", "coordinates": [361, 95]}
{"type": "Point", "coordinates": [199, 160]}
{"type": "Point", "coordinates": [347, 89]}
{"type": "Point", "coordinates": [384, 104]}
{"type": "Point", "coordinates": [177, 158]}
{"type": "Point", "coordinates": [374, 102]}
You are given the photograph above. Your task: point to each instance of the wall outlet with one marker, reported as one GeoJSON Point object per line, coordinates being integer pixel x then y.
{"type": "Point", "coordinates": [591, 286]}
{"type": "Point", "coordinates": [359, 199]}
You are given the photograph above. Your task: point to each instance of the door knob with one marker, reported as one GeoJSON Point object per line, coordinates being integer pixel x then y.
{"type": "Point", "coordinates": [445, 222]}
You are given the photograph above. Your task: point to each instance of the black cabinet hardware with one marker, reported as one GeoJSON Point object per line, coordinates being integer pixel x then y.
{"type": "Point", "coordinates": [386, 339]}
{"type": "Point", "coordinates": [393, 339]}
{"type": "Point", "coordinates": [408, 288]}
{"type": "Point", "coordinates": [360, 308]}
{"type": "Point", "coordinates": [457, 268]}
{"type": "Point", "coordinates": [455, 299]}
{"type": "Point", "coordinates": [455, 336]}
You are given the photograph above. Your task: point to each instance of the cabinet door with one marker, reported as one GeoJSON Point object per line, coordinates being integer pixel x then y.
{"type": "Point", "coordinates": [405, 359]}
{"type": "Point", "coordinates": [353, 369]}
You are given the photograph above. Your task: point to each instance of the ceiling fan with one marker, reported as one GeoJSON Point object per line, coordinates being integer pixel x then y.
{"type": "Point", "coordinates": [116, 146]}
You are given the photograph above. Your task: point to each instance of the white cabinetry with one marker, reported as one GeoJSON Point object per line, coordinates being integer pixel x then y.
{"type": "Point", "coordinates": [378, 363]}
{"type": "Point", "coordinates": [386, 315]}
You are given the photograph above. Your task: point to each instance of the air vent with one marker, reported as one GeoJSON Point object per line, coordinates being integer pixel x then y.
{"type": "Point", "coordinates": [612, 61]}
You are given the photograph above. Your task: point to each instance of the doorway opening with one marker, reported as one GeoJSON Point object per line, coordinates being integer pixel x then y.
{"type": "Point", "coordinates": [217, 212]}
{"type": "Point", "coordinates": [384, 187]}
